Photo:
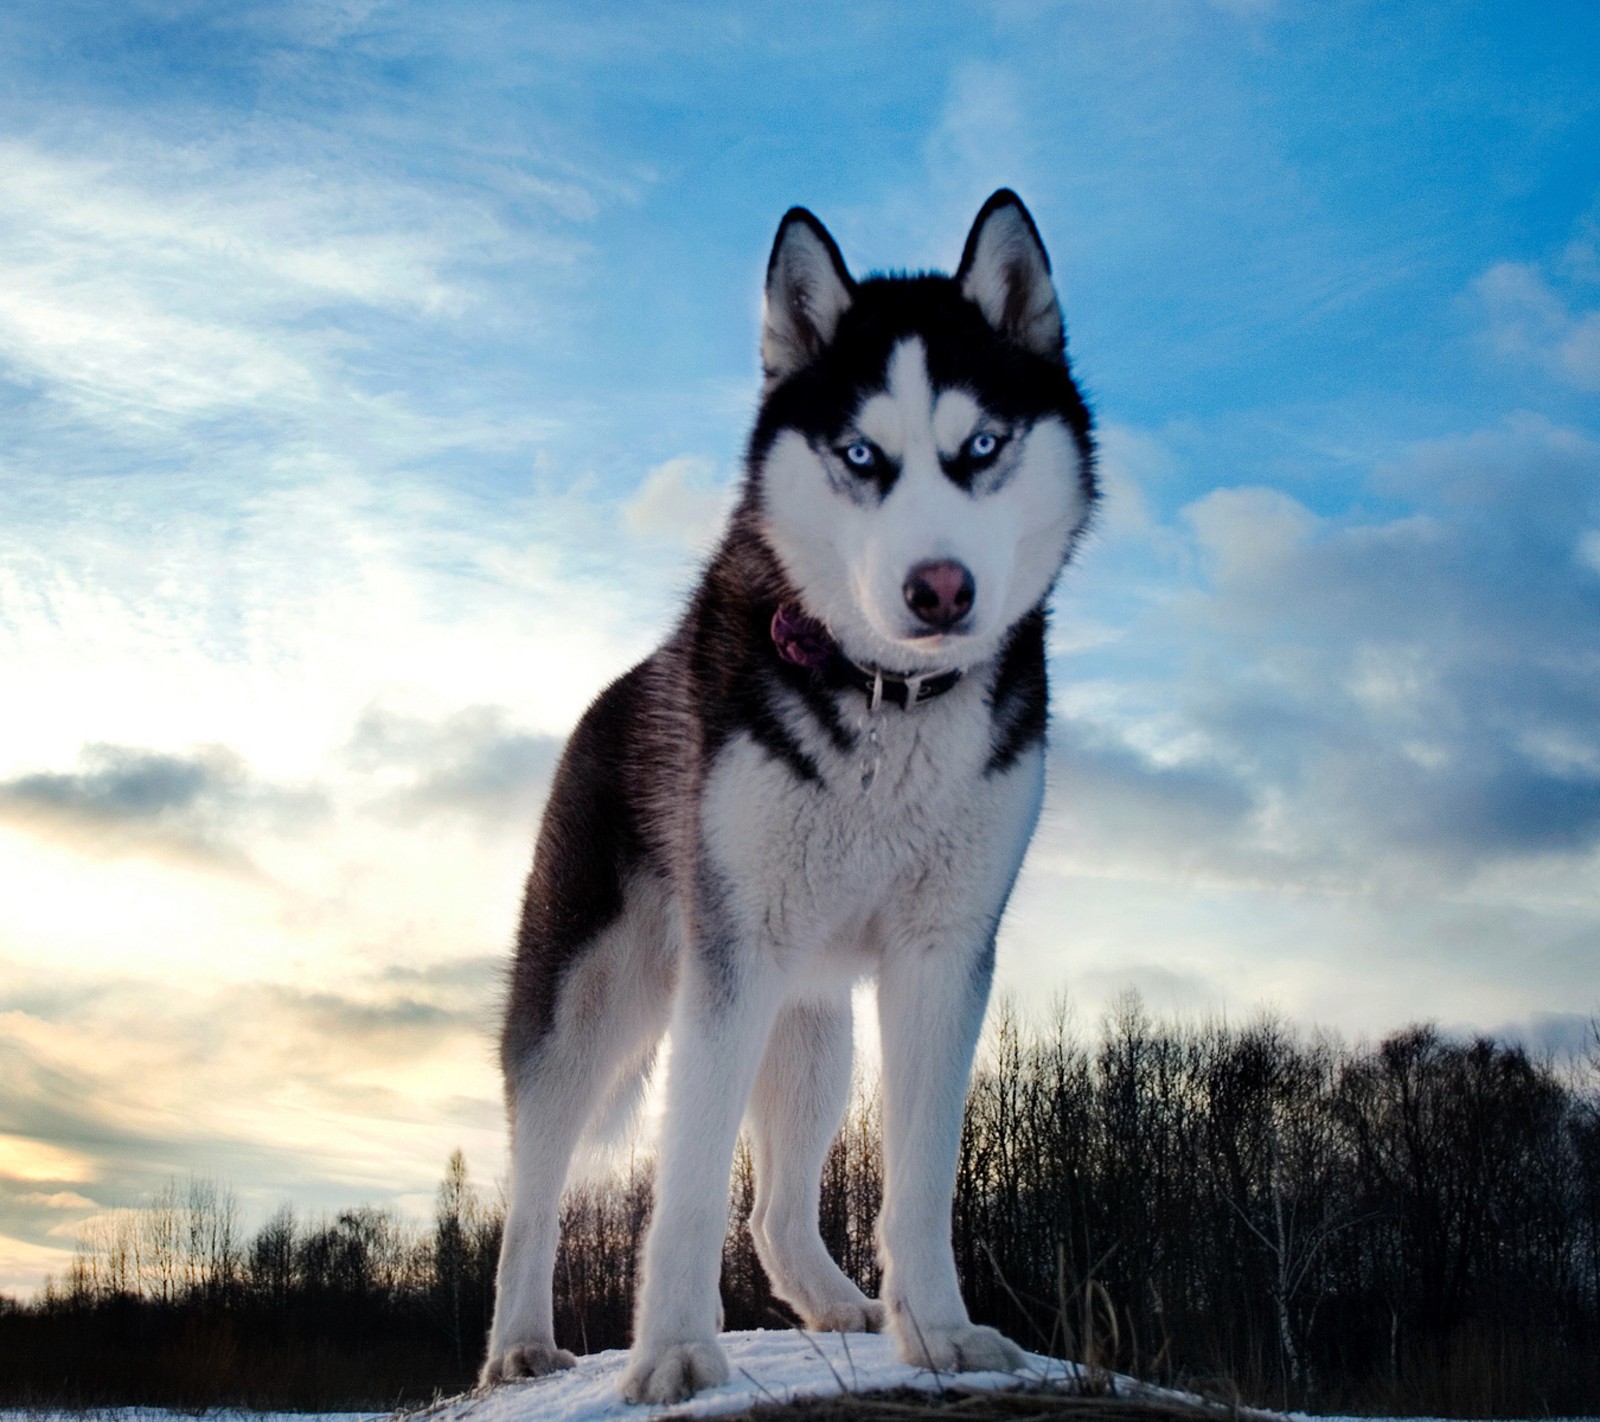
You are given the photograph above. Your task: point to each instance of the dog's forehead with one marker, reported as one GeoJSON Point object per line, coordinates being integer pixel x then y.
{"type": "Point", "coordinates": [910, 406]}
{"type": "Point", "coordinates": [965, 363]}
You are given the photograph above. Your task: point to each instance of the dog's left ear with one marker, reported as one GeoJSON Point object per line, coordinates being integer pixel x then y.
{"type": "Point", "coordinates": [1005, 272]}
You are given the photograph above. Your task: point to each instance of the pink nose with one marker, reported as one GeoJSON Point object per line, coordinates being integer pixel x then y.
{"type": "Point", "coordinates": [940, 593]}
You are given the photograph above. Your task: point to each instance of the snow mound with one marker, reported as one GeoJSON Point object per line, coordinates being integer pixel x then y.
{"type": "Point", "coordinates": [764, 1365]}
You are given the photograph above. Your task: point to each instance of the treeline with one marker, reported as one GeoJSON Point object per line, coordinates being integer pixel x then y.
{"type": "Point", "coordinates": [1407, 1228]}
{"type": "Point", "coordinates": [171, 1304]}
{"type": "Point", "coordinates": [1412, 1227]}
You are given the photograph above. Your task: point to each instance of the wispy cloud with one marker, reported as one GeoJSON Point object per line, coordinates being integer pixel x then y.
{"type": "Point", "coordinates": [474, 762]}
{"type": "Point", "coordinates": [124, 799]}
{"type": "Point", "coordinates": [682, 502]}
{"type": "Point", "coordinates": [1530, 321]}
{"type": "Point", "coordinates": [162, 285]}
{"type": "Point", "coordinates": [1562, 1035]}
{"type": "Point", "coordinates": [105, 1093]}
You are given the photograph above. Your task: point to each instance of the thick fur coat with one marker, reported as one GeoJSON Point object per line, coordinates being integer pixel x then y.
{"type": "Point", "coordinates": [829, 771]}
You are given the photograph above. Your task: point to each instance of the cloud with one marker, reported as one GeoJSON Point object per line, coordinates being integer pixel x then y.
{"type": "Point", "coordinates": [379, 1022]}
{"type": "Point", "coordinates": [1557, 1034]}
{"type": "Point", "coordinates": [1355, 700]}
{"type": "Point", "coordinates": [445, 980]}
{"type": "Point", "coordinates": [124, 786]}
{"type": "Point", "coordinates": [981, 122]}
{"type": "Point", "coordinates": [1128, 806]}
{"type": "Point", "coordinates": [1589, 550]}
{"type": "Point", "coordinates": [209, 282]}
{"type": "Point", "coordinates": [682, 502]}
{"type": "Point", "coordinates": [1127, 461]}
{"type": "Point", "coordinates": [124, 799]}
{"type": "Point", "coordinates": [335, 1095]}
{"type": "Point", "coordinates": [1529, 322]}
{"type": "Point", "coordinates": [29, 1158]}
{"type": "Point", "coordinates": [1163, 989]}
{"type": "Point", "coordinates": [285, 606]}
{"type": "Point", "coordinates": [59, 1200]}
{"type": "Point", "coordinates": [473, 762]}
{"type": "Point", "coordinates": [53, 1116]}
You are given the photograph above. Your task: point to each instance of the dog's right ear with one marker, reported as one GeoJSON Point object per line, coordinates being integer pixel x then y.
{"type": "Point", "coordinates": [808, 290]}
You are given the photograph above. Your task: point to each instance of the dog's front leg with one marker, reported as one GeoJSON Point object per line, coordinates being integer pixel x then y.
{"type": "Point", "coordinates": [931, 999]}
{"type": "Point", "coordinates": [726, 1002]}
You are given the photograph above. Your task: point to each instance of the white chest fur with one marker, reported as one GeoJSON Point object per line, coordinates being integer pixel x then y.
{"type": "Point", "coordinates": [815, 870]}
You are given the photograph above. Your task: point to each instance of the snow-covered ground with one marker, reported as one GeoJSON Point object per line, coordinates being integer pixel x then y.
{"type": "Point", "coordinates": [765, 1365]}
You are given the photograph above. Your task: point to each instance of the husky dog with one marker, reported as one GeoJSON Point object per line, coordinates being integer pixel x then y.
{"type": "Point", "coordinates": [830, 770]}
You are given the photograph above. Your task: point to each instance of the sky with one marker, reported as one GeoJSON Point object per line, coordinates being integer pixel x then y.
{"type": "Point", "coordinates": [373, 377]}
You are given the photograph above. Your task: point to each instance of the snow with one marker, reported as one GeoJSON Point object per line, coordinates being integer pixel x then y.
{"type": "Point", "coordinates": [765, 1365]}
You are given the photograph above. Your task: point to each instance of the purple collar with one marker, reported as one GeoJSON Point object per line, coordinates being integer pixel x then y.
{"type": "Point", "coordinates": [805, 642]}
{"type": "Point", "coordinates": [801, 639]}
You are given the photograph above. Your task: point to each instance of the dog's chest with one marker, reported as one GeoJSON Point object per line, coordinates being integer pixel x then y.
{"type": "Point", "coordinates": [905, 809]}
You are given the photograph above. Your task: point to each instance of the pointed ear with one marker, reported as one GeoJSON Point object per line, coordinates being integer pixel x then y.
{"type": "Point", "coordinates": [808, 290]}
{"type": "Point", "coordinates": [1005, 272]}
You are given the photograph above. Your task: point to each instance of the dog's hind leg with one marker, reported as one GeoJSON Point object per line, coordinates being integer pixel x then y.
{"type": "Point", "coordinates": [794, 1112]}
{"type": "Point", "coordinates": [548, 1111]}
{"type": "Point", "coordinates": [611, 1005]}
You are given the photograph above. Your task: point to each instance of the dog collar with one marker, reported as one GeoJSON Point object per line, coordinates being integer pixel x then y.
{"type": "Point", "coordinates": [805, 642]}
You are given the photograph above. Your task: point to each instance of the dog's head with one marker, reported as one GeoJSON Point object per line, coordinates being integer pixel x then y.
{"type": "Point", "coordinates": [922, 464]}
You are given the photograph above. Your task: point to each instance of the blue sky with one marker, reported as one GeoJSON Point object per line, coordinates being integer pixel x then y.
{"type": "Point", "coordinates": [372, 376]}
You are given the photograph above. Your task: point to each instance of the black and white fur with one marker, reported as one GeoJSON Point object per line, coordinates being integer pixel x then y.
{"type": "Point", "coordinates": [734, 839]}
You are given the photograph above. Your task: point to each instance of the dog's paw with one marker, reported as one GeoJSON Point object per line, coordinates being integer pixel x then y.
{"type": "Point", "coordinates": [673, 1372]}
{"type": "Point", "coordinates": [967, 1348]}
{"type": "Point", "coordinates": [526, 1360]}
{"type": "Point", "coordinates": [846, 1316]}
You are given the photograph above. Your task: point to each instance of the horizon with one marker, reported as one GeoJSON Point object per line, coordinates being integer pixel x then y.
{"type": "Point", "coordinates": [375, 380]}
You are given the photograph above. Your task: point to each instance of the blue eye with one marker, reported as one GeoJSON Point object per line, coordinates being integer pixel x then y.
{"type": "Point", "coordinates": [860, 455]}
{"type": "Point", "coordinates": [983, 445]}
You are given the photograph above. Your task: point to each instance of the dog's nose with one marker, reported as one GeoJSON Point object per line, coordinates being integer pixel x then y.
{"type": "Point", "coordinates": [940, 593]}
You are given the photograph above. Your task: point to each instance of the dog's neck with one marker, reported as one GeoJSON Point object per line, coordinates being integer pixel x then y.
{"type": "Point", "coordinates": [805, 642]}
